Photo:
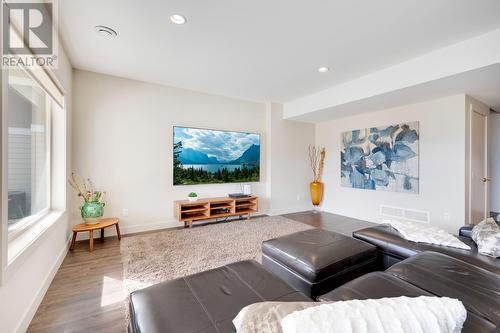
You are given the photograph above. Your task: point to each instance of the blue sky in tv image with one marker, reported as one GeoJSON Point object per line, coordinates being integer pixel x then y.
{"type": "Point", "coordinates": [210, 149]}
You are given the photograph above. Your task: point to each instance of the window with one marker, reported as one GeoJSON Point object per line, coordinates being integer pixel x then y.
{"type": "Point", "coordinates": [28, 171]}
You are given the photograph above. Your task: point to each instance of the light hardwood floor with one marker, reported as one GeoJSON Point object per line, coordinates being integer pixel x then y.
{"type": "Point", "coordinates": [87, 293]}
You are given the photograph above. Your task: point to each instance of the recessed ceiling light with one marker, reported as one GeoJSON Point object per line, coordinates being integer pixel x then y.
{"type": "Point", "coordinates": [177, 19]}
{"type": "Point", "coordinates": [323, 69]}
{"type": "Point", "coordinates": [105, 31]}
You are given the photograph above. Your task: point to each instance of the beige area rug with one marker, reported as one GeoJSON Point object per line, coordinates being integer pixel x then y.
{"type": "Point", "coordinates": [166, 255]}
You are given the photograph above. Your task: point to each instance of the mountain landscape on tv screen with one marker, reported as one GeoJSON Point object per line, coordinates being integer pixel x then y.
{"type": "Point", "coordinates": [191, 156]}
{"type": "Point", "coordinates": [203, 156]}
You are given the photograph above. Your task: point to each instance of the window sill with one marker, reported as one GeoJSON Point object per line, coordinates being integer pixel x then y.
{"type": "Point", "coordinates": [28, 238]}
{"type": "Point", "coordinates": [24, 224]}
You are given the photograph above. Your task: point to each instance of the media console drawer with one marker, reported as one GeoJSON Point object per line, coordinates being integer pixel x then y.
{"type": "Point", "coordinates": [211, 208]}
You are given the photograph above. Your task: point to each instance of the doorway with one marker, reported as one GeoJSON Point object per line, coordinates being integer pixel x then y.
{"type": "Point", "coordinates": [479, 177]}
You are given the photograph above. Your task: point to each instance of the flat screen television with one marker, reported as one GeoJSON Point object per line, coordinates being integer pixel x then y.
{"type": "Point", "coordinates": [206, 156]}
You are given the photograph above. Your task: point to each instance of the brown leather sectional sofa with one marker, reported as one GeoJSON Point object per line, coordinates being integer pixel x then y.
{"type": "Point", "coordinates": [393, 248]}
{"type": "Point", "coordinates": [433, 274]}
{"type": "Point", "coordinates": [208, 301]}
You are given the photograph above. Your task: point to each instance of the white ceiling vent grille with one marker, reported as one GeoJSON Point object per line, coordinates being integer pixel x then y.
{"type": "Point", "coordinates": [404, 214]}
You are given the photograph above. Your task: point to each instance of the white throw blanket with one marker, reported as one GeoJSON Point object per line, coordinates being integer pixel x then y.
{"type": "Point", "coordinates": [423, 233]}
{"type": "Point", "coordinates": [386, 315]}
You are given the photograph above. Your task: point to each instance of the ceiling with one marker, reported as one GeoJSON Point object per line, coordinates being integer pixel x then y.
{"type": "Point", "coordinates": [263, 50]}
{"type": "Point", "coordinates": [482, 84]}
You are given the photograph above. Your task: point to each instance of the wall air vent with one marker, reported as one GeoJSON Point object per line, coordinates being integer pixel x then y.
{"type": "Point", "coordinates": [404, 214]}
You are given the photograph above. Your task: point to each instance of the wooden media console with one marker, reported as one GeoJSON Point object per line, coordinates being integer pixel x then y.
{"type": "Point", "coordinates": [212, 208]}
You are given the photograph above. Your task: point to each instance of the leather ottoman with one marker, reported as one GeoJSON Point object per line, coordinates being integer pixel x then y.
{"type": "Point", "coordinates": [207, 301]}
{"type": "Point", "coordinates": [316, 261]}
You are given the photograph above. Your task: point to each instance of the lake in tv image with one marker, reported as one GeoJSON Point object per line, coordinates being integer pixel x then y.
{"type": "Point", "coordinates": [206, 156]}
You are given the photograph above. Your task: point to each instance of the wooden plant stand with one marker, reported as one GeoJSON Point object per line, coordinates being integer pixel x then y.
{"type": "Point", "coordinates": [102, 224]}
{"type": "Point", "coordinates": [211, 208]}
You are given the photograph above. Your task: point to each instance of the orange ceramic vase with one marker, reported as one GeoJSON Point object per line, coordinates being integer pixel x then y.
{"type": "Point", "coordinates": [316, 189]}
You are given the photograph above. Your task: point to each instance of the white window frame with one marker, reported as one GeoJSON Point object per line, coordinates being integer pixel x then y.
{"type": "Point", "coordinates": [12, 250]}
{"type": "Point", "coordinates": [29, 221]}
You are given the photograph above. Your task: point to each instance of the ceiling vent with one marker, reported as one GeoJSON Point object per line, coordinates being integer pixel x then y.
{"type": "Point", "coordinates": [404, 214]}
{"type": "Point", "coordinates": [105, 31]}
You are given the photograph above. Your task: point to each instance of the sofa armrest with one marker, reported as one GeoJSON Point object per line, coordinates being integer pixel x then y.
{"type": "Point", "coordinates": [466, 231]}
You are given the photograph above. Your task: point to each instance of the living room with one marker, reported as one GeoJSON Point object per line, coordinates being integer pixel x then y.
{"type": "Point", "coordinates": [177, 166]}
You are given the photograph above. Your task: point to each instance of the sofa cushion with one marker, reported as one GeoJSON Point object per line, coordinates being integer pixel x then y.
{"type": "Point", "coordinates": [372, 286]}
{"type": "Point", "coordinates": [426, 234]}
{"type": "Point", "coordinates": [389, 242]}
{"type": "Point", "coordinates": [390, 315]}
{"type": "Point", "coordinates": [207, 301]}
{"type": "Point", "coordinates": [442, 275]}
{"type": "Point", "coordinates": [486, 235]}
{"type": "Point", "coordinates": [266, 316]}
{"type": "Point", "coordinates": [466, 230]}
{"type": "Point", "coordinates": [381, 284]}
{"type": "Point", "coordinates": [317, 254]}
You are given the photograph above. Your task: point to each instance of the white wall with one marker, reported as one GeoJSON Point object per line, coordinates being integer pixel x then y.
{"type": "Point", "coordinates": [288, 162]}
{"type": "Point", "coordinates": [122, 140]}
{"type": "Point", "coordinates": [442, 156]}
{"type": "Point", "coordinates": [495, 161]}
{"type": "Point", "coordinates": [28, 277]}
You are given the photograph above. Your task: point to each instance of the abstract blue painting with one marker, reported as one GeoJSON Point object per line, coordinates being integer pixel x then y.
{"type": "Point", "coordinates": [381, 158]}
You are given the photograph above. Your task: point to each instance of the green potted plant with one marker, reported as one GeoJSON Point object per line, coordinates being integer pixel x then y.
{"type": "Point", "coordinates": [93, 201]}
{"type": "Point", "coordinates": [192, 196]}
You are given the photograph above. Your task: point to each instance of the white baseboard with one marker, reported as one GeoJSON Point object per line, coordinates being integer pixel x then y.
{"type": "Point", "coordinates": [149, 227]}
{"type": "Point", "coordinates": [290, 210]}
{"type": "Point", "coordinates": [37, 300]}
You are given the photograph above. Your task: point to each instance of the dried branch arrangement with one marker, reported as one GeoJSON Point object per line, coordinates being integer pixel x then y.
{"type": "Point", "coordinates": [317, 159]}
{"type": "Point", "coordinates": [85, 189]}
